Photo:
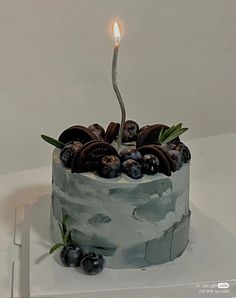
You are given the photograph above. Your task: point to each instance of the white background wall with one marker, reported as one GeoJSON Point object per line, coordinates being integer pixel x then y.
{"type": "Point", "coordinates": [177, 63]}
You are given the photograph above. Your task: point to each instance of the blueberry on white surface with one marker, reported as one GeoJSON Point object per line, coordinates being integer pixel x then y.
{"type": "Point", "coordinates": [92, 263]}
{"type": "Point", "coordinates": [70, 255]}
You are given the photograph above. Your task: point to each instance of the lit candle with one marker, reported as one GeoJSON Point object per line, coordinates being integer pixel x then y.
{"type": "Point", "coordinates": [117, 37]}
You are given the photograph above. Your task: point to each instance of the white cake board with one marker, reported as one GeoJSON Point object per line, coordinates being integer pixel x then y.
{"type": "Point", "coordinates": [208, 259]}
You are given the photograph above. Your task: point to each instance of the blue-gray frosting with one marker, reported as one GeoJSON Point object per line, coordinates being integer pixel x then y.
{"type": "Point", "coordinates": [133, 223]}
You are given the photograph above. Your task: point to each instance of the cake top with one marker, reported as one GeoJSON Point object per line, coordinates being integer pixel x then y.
{"type": "Point", "coordinates": [146, 150]}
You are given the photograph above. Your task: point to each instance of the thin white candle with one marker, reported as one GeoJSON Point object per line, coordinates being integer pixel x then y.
{"type": "Point", "coordinates": [117, 37]}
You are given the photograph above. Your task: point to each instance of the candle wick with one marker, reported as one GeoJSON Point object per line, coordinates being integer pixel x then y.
{"type": "Point", "coordinates": [118, 95]}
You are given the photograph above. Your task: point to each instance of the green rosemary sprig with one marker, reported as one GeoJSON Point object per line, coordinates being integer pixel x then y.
{"type": "Point", "coordinates": [65, 235]}
{"type": "Point", "coordinates": [52, 141]}
{"type": "Point", "coordinates": [169, 134]}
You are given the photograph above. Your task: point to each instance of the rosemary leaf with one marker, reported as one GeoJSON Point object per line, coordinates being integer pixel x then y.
{"type": "Point", "coordinates": [175, 135]}
{"type": "Point", "coordinates": [64, 223]}
{"type": "Point", "coordinates": [160, 135]}
{"type": "Point", "coordinates": [179, 126]}
{"type": "Point", "coordinates": [52, 141]}
{"type": "Point", "coordinates": [61, 229]}
{"type": "Point", "coordinates": [55, 247]}
{"type": "Point", "coordinates": [168, 132]}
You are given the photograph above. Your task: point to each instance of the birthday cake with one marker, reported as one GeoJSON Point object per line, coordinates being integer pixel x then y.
{"type": "Point", "coordinates": [122, 207]}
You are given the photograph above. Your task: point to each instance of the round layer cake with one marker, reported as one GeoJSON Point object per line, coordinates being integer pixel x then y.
{"type": "Point", "coordinates": [131, 222]}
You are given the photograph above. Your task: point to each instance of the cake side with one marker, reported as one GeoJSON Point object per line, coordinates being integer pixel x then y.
{"type": "Point", "coordinates": [133, 223]}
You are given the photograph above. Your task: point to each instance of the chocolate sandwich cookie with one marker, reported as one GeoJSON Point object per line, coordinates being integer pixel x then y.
{"type": "Point", "coordinates": [111, 132]}
{"type": "Point", "coordinates": [168, 157]}
{"type": "Point", "coordinates": [68, 152]}
{"type": "Point", "coordinates": [77, 155]}
{"type": "Point", "coordinates": [165, 166]}
{"type": "Point", "coordinates": [98, 130]}
{"type": "Point", "coordinates": [130, 131]}
{"type": "Point", "coordinates": [77, 133]}
{"type": "Point", "coordinates": [89, 157]}
{"type": "Point", "coordinates": [141, 129]}
{"type": "Point", "coordinates": [149, 135]}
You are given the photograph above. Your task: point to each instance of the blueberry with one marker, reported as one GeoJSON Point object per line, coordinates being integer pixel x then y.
{"type": "Point", "coordinates": [97, 129]}
{"type": "Point", "coordinates": [92, 263]}
{"type": "Point", "coordinates": [177, 157]}
{"type": "Point", "coordinates": [132, 168]}
{"type": "Point", "coordinates": [109, 167]}
{"type": "Point", "coordinates": [71, 255]}
{"type": "Point", "coordinates": [130, 131]}
{"type": "Point", "coordinates": [68, 152]}
{"type": "Point", "coordinates": [128, 153]}
{"type": "Point", "coordinates": [150, 164]}
{"type": "Point", "coordinates": [186, 154]}
{"type": "Point", "coordinates": [178, 146]}
{"type": "Point", "coordinates": [184, 149]}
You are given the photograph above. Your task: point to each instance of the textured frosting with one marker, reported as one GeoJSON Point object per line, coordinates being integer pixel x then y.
{"type": "Point", "coordinates": [133, 223]}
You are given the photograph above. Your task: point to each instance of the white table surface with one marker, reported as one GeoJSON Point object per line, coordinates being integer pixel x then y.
{"type": "Point", "coordinates": [213, 194]}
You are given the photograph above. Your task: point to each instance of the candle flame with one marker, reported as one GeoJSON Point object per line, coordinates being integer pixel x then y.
{"type": "Point", "coordinates": [116, 32]}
